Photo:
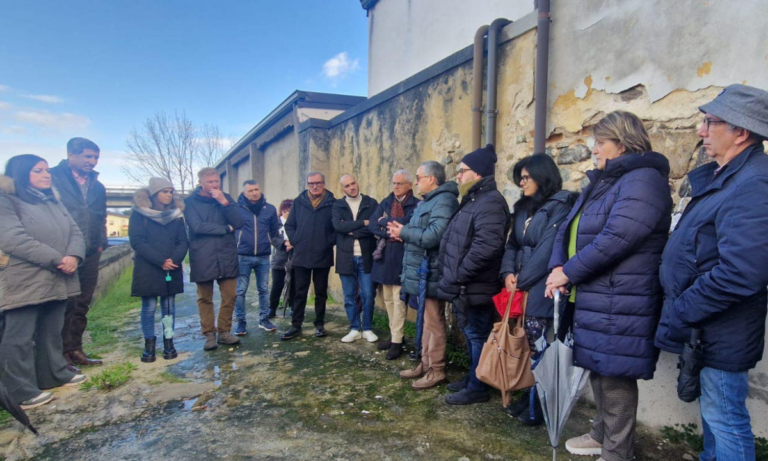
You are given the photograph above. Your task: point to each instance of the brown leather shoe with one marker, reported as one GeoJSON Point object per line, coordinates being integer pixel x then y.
{"type": "Point", "coordinates": [78, 357]}
{"type": "Point", "coordinates": [413, 373]}
{"type": "Point", "coordinates": [70, 366]}
{"type": "Point", "coordinates": [431, 379]}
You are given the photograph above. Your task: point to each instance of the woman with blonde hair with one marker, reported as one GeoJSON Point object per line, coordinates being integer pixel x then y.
{"type": "Point", "coordinates": [607, 254]}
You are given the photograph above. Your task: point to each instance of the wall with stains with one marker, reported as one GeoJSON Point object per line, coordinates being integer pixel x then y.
{"type": "Point", "coordinates": [660, 60]}
{"type": "Point", "coordinates": [282, 180]}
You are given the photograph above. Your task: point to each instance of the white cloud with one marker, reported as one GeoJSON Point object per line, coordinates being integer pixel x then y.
{"type": "Point", "coordinates": [50, 120]}
{"type": "Point", "coordinates": [340, 66]}
{"type": "Point", "coordinates": [15, 129]}
{"type": "Point", "coordinates": [5, 105]}
{"type": "Point", "coordinates": [44, 98]}
{"type": "Point", "coordinates": [4, 88]}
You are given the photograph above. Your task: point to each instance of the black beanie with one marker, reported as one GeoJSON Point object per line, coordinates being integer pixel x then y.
{"type": "Point", "coordinates": [482, 160]}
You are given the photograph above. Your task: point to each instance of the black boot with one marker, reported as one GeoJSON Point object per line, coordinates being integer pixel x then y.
{"type": "Point", "coordinates": [519, 406]}
{"type": "Point", "coordinates": [149, 350]}
{"type": "Point", "coordinates": [395, 349]}
{"type": "Point", "coordinates": [169, 352]}
{"type": "Point", "coordinates": [533, 416]}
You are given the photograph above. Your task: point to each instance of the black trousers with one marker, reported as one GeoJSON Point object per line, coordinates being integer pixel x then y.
{"type": "Point", "coordinates": [319, 278]}
{"type": "Point", "coordinates": [278, 283]}
{"type": "Point", "coordinates": [76, 317]}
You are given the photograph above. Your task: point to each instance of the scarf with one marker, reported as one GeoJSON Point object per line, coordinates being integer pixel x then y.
{"type": "Point", "coordinates": [397, 210]}
{"type": "Point", "coordinates": [160, 217]}
{"type": "Point", "coordinates": [464, 188]}
{"type": "Point", "coordinates": [316, 201]}
{"type": "Point", "coordinates": [256, 207]}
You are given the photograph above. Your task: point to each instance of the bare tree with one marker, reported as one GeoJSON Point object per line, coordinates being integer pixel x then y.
{"type": "Point", "coordinates": [171, 146]}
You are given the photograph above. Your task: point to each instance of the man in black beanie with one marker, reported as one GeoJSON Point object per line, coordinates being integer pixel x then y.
{"type": "Point", "coordinates": [470, 259]}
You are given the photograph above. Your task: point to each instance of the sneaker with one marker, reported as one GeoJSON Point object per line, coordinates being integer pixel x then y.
{"type": "Point", "coordinates": [459, 385]}
{"type": "Point", "coordinates": [320, 332]}
{"type": "Point", "coordinates": [584, 445]}
{"type": "Point", "coordinates": [210, 341]}
{"type": "Point", "coordinates": [430, 379]}
{"type": "Point", "coordinates": [38, 401]}
{"type": "Point", "coordinates": [370, 336]}
{"type": "Point", "coordinates": [290, 333]}
{"type": "Point", "coordinates": [267, 326]}
{"type": "Point", "coordinates": [467, 397]}
{"type": "Point", "coordinates": [75, 381]}
{"type": "Point", "coordinates": [352, 336]}
{"type": "Point", "coordinates": [241, 329]}
{"type": "Point", "coordinates": [228, 339]}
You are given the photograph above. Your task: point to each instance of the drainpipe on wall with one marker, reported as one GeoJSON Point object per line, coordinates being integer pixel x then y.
{"type": "Point", "coordinates": [477, 86]}
{"type": "Point", "coordinates": [490, 107]}
{"type": "Point", "coordinates": [542, 73]}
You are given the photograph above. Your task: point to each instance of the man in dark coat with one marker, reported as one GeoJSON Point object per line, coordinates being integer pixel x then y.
{"type": "Point", "coordinates": [713, 270]}
{"type": "Point", "coordinates": [422, 237]}
{"type": "Point", "coordinates": [470, 253]}
{"type": "Point", "coordinates": [354, 256]}
{"type": "Point", "coordinates": [310, 231]}
{"type": "Point", "coordinates": [254, 247]}
{"type": "Point", "coordinates": [213, 218]}
{"type": "Point", "coordinates": [397, 207]}
{"type": "Point", "coordinates": [86, 200]}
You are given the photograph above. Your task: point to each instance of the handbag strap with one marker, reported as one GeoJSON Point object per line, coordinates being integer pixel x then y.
{"type": "Point", "coordinates": [522, 307]}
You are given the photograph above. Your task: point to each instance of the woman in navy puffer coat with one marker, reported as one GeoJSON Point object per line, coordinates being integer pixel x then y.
{"type": "Point", "coordinates": [609, 248]}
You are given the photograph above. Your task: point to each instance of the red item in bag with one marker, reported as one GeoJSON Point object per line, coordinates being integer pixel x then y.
{"type": "Point", "coordinates": [501, 300]}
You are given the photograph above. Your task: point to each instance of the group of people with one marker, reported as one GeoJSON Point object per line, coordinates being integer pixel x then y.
{"type": "Point", "coordinates": [632, 288]}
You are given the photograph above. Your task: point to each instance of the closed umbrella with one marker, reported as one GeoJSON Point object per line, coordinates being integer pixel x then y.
{"type": "Point", "coordinates": [288, 281]}
{"type": "Point", "coordinates": [690, 363]}
{"type": "Point", "coordinates": [558, 382]}
{"type": "Point", "coordinates": [15, 410]}
{"type": "Point", "coordinates": [423, 280]}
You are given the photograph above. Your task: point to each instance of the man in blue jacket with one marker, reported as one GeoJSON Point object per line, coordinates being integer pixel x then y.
{"type": "Point", "coordinates": [713, 270]}
{"type": "Point", "coordinates": [254, 247]}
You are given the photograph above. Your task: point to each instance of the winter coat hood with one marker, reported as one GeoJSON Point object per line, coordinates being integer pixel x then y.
{"type": "Point", "coordinates": [142, 203]}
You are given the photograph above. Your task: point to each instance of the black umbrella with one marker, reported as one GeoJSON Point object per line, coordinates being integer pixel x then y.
{"type": "Point", "coordinates": [690, 363]}
{"type": "Point", "coordinates": [15, 410]}
{"type": "Point", "coordinates": [460, 307]}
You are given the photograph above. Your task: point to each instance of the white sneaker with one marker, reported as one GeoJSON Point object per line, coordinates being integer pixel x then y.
{"type": "Point", "coordinates": [370, 336]}
{"type": "Point", "coordinates": [40, 400]}
{"type": "Point", "coordinates": [584, 445]}
{"type": "Point", "coordinates": [75, 381]}
{"type": "Point", "coordinates": [352, 336]}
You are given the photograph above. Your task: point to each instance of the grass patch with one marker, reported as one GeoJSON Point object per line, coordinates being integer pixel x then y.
{"type": "Point", "coordinates": [109, 313]}
{"type": "Point", "coordinates": [5, 417]}
{"type": "Point", "coordinates": [761, 449]}
{"type": "Point", "coordinates": [110, 378]}
{"type": "Point", "coordinates": [167, 377]}
{"type": "Point", "coordinates": [457, 356]}
{"type": "Point", "coordinates": [688, 434]}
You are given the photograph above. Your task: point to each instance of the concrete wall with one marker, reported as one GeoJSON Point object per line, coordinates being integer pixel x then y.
{"type": "Point", "coordinates": [406, 36]}
{"type": "Point", "coordinates": [281, 162]}
{"type": "Point", "coordinates": [603, 58]}
{"type": "Point", "coordinates": [114, 260]}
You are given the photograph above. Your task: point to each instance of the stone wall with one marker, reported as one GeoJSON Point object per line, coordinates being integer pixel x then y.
{"type": "Point", "coordinates": [114, 261]}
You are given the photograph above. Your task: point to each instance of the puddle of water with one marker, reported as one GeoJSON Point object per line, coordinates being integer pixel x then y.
{"type": "Point", "coordinates": [234, 366]}
{"type": "Point", "coordinates": [217, 383]}
{"type": "Point", "coordinates": [187, 405]}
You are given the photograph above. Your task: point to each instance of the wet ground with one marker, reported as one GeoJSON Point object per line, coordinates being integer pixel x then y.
{"type": "Point", "coordinates": [308, 398]}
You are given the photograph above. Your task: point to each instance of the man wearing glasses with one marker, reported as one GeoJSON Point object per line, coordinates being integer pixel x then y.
{"type": "Point", "coordinates": [713, 267]}
{"type": "Point", "coordinates": [310, 230]}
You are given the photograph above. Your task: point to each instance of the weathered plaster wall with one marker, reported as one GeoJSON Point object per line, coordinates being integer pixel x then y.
{"type": "Point", "coordinates": [281, 162]}
{"type": "Point", "coordinates": [243, 173]}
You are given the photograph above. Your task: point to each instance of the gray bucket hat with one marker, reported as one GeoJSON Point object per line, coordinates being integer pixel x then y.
{"type": "Point", "coordinates": [743, 106]}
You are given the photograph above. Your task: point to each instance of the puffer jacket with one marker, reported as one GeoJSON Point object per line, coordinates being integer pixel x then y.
{"type": "Point", "coordinates": [154, 243]}
{"type": "Point", "coordinates": [714, 266]}
{"type": "Point", "coordinates": [422, 237]}
{"type": "Point", "coordinates": [387, 270]}
{"type": "Point", "coordinates": [625, 219]}
{"type": "Point", "coordinates": [90, 212]}
{"type": "Point", "coordinates": [472, 244]}
{"type": "Point", "coordinates": [529, 248]}
{"type": "Point", "coordinates": [310, 231]}
{"type": "Point", "coordinates": [212, 245]}
{"type": "Point", "coordinates": [255, 237]}
{"type": "Point", "coordinates": [36, 236]}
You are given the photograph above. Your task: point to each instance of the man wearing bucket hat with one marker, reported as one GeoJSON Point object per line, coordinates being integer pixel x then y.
{"type": "Point", "coordinates": [713, 270]}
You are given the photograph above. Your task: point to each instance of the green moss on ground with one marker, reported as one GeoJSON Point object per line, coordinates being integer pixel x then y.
{"type": "Point", "coordinates": [109, 314]}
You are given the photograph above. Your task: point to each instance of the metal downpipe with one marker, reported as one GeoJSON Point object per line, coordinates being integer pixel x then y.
{"type": "Point", "coordinates": [490, 106]}
{"type": "Point", "coordinates": [477, 86]}
{"type": "Point", "coordinates": [542, 74]}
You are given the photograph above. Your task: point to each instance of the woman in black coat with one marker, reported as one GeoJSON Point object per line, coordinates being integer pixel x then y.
{"type": "Point", "coordinates": [537, 218]}
{"type": "Point", "coordinates": [281, 262]}
{"type": "Point", "coordinates": [159, 238]}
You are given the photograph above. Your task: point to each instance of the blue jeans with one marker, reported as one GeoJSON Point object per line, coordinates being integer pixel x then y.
{"type": "Point", "coordinates": [148, 308]}
{"type": "Point", "coordinates": [479, 324]}
{"type": "Point", "coordinates": [724, 416]}
{"type": "Point", "coordinates": [260, 265]}
{"type": "Point", "coordinates": [350, 284]}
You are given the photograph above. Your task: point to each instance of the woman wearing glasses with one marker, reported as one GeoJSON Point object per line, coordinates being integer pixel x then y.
{"type": "Point", "coordinates": [537, 218]}
{"type": "Point", "coordinates": [607, 253]}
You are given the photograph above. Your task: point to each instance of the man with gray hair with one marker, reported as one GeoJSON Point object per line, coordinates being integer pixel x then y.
{"type": "Point", "coordinates": [713, 268]}
{"type": "Point", "coordinates": [422, 237]}
{"type": "Point", "coordinates": [310, 230]}
{"type": "Point", "coordinates": [388, 262]}
{"type": "Point", "coordinates": [212, 217]}
{"type": "Point", "coordinates": [254, 248]}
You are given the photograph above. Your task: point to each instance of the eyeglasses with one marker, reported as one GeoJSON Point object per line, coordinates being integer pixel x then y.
{"type": "Point", "coordinates": [419, 178]}
{"type": "Point", "coordinates": [708, 121]}
{"type": "Point", "coordinates": [461, 171]}
{"type": "Point", "coordinates": [524, 179]}
{"type": "Point", "coordinates": [315, 184]}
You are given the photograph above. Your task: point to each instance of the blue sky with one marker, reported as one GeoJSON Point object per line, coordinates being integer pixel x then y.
{"type": "Point", "coordinates": [99, 68]}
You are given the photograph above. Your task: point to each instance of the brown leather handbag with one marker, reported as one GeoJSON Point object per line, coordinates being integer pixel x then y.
{"type": "Point", "coordinates": [505, 362]}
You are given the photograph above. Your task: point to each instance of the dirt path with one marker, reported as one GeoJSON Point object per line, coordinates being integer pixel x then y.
{"type": "Point", "coordinates": [266, 399]}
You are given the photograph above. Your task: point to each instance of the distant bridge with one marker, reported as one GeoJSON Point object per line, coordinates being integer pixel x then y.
{"type": "Point", "coordinates": [120, 196]}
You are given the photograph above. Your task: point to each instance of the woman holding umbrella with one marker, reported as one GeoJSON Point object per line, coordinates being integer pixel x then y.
{"type": "Point", "coordinates": [43, 247]}
{"type": "Point", "coordinates": [608, 252]}
{"type": "Point", "coordinates": [537, 218]}
{"type": "Point", "coordinates": [159, 238]}
{"type": "Point", "coordinates": [280, 257]}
